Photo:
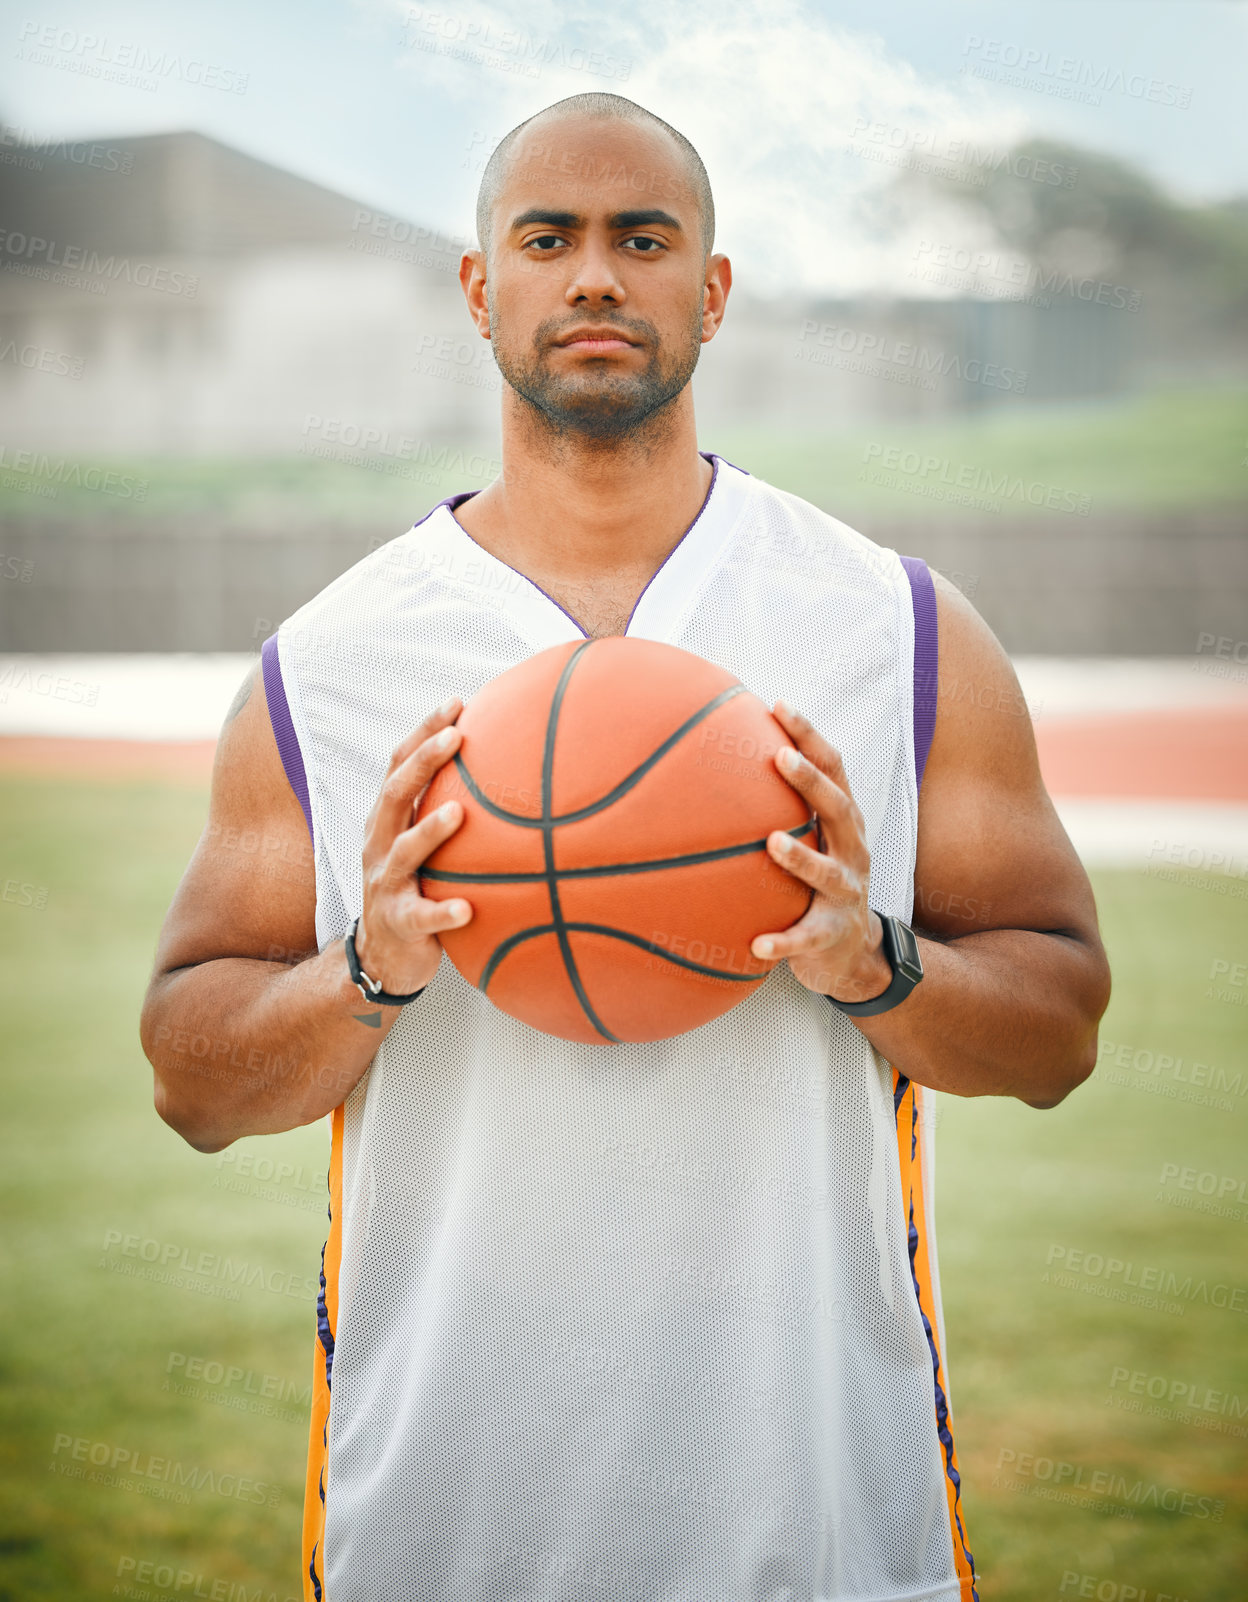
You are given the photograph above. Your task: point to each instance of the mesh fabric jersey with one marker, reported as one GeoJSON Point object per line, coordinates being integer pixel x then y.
{"type": "Point", "coordinates": [652, 1322]}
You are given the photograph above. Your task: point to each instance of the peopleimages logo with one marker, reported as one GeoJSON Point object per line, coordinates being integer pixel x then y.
{"type": "Point", "coordinates": [123, 1466]}
{"type": "Point", "coordinates": [1100, 1588]}
{"type": "Point", "coordinates": [29, 150]}
{"type": "Point", "coordinates": [1194, 1394]}
{"type": "Point", "coordinates": [1105, 1482]}
{"type": "Point", "coordinates": [32, 250]}
{"type": "Point", "coordinates": [1116, 1275]}
{"type": "Point", "coordinates": [170, 1581]}
{"type": "Point", "coordinates": [859, 349]}
{"type": "Point", "coordinates": [1067, 77]}
{"type": "Point", "coordinates": [892, 466]}
{"type": "Point", "coordinates": [95, 55]}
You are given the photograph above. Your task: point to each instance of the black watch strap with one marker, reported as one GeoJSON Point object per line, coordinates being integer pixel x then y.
{"type": "Point", "coordinates": [902, 950]}
{"type": "Point", "coordinates": [371, 989]}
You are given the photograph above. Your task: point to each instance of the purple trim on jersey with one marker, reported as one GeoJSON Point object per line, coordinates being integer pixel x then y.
{"type": "Point", "coordinates": [942, 1405]}
{"type": "Point", "coordinates": [926, 659]}
{"type": "Point", "coordinates": [315, 1578]}
{"type": "Point", "coordinates": [709, 454]}
{"type": "Point", "coordinates": [458, 500]}
{"type": "Point", "coordinates": [283, 727]}
{"type": "Point", "coordinates": [323, 1332]}
{"type": "Point", "coordinates": [706, 501]}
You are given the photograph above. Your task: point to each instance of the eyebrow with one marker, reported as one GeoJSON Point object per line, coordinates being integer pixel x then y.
{"type": "Point", "coordinates": [647, 218]}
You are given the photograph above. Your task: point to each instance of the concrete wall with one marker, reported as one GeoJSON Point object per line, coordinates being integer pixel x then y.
{"type": "Point", "coordinates": [1109, 586]}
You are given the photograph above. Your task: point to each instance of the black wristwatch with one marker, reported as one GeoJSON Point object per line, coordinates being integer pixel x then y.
{"type": "Point", "coordinates": [371, 989]}
{"type": "Point", "coordinates": [902, 951]}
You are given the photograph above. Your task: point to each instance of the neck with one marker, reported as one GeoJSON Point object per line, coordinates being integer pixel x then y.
{"type": "Point", "coordinates": [573, 508]}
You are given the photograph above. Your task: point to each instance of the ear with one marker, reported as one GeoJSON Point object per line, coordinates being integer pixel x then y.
{"type": "Point", "coordinates": [472, 282]}
{"type": "Point", "coordinates": [715, 295]}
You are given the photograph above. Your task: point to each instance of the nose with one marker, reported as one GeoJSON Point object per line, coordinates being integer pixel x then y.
{"type": "Point", "coordinates": [594, 280]}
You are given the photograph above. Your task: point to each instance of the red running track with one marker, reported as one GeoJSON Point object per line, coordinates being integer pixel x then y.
{"type": "Point", "coordinates": [1194, 753]}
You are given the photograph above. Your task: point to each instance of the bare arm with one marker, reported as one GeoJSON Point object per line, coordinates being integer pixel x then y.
{"type": "Point", "coordinates": [1015, 976]}
{"type": "Point", "coordinates": [248, 1029]}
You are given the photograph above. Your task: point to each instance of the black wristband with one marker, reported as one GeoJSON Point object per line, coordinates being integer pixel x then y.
{"type": "Point", "coordinates": [901, 950]}
{"type": "Point", "coordinates": [371, 989]}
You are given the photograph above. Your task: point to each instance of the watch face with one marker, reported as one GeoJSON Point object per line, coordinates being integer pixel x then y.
{"type": "Point", "coordinates": [908, 959]}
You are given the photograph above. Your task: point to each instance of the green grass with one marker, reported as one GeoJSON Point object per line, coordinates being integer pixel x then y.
{"type": "Point", "coordinates": [247, 492]}
{"type": "Point", "coordinates": [85, 1352]}
{"type": "Point", "coordinates": [1032, 1364]}
{"type": "Point", "coordinates": [1168, 451]}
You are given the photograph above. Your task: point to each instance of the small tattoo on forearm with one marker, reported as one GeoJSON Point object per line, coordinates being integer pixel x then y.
{"type": "Point", "coordinates": [372, 1019]}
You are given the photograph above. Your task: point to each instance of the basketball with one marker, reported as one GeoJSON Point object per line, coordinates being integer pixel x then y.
{"type": "Point", "coordinates": [617, 795]}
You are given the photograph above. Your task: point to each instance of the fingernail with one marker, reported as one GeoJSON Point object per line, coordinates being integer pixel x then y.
{"type": "Point", "coordinates": [789, 758]}
{"type": "Point", "coordinates": [784, 709]}
{"type": "Point", "coordinates": [763, 948]}
{"type": "Point", "coordinates": [447, 811]}
{"type": "Point", "coordinates": [447, 707]}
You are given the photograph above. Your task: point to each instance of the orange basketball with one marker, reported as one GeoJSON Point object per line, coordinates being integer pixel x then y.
{"type": "Point", "coordinates": [617, 798]}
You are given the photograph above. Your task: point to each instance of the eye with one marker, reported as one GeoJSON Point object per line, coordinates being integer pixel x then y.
{"type": "Point", "coordinates": [652, 246]}
{"type": "Point", "coordinates": [548, 242]}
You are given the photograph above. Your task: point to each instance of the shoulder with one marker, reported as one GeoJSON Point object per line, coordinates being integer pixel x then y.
{"type": "Point", "coordinates": [327, 622]}
{"type": "Point", "coordinates": [974, 672]}
{"type": "Point", "coordinates": [982, 716]}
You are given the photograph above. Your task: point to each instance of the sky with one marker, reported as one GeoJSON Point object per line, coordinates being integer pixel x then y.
{"type": "Point", "coordinates": [801, 109]}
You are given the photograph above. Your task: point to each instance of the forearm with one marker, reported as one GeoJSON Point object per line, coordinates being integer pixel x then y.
{"type": "Point", "coordinates": [245, 1047]}
{"type": "Point", "coordinates": [1003, 1012]}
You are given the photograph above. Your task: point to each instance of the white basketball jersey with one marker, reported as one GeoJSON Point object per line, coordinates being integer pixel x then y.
{"type": "Point", "coordinates": [651, 1322]}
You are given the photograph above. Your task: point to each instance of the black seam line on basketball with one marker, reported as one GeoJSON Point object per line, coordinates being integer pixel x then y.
{"type": "Point", "coordinates": [608, 869]}
{"type": "Point", "coordinates": [505, 947]}
{"type": "Point", "coordinates": [548, 844]}
{"type": "Point", "coordinates": [622, 788]}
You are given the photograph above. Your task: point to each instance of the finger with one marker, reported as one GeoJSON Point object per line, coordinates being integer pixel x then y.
{"type": "Point", "coordinates": [815, 748]}
{"type": "Point", "coordinates": [393, 809]}
{"type": "Point", "coordinates": [420, 915]}
{"type": "Point", "coordinates": [414, 845]}
{"type": "Point", "coordinates": [840, 818]}
{"type": "Point", "coordinates": [777, 944]}
{"type": "Point", "coordinates": [437, 719]}
{"type": "Point", "coordinates": [826, 875]}
{"type": "Point", "coordinates": [821, 929]}
{"type": "Point", "coordinates": [837, 894]}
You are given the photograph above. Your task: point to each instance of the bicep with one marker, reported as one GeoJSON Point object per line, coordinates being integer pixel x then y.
{"type": "Point", "coordinates": [992, 852]}
{"type": "Point", "coordinates": [250, 887]}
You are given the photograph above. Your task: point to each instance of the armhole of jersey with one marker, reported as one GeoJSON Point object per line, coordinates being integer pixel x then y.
{"type": "Point", "coordinates": [926, 659]}
{"type": "Point", "coordinates": [284, 728]}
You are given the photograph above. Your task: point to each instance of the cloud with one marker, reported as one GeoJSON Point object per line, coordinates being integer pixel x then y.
{"type": "Point", "coordinates": [802, 124]}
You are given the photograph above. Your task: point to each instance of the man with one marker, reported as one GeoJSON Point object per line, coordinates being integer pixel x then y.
{"type": "Point", "coordinates": [635, 1322]}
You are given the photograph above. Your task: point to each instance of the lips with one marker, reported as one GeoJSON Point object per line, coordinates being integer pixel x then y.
{"type": "Point", "coordinates": [594, 340]}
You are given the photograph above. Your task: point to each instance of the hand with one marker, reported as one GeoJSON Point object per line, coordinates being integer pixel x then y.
{"type": "Point", "coordinates": [397, 938]}
{"type": "Point", "coordinates": [836, 947]}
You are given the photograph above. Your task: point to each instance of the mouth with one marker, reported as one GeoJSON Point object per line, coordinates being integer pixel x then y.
{"type": "Point", "coordinates": [591, 342]}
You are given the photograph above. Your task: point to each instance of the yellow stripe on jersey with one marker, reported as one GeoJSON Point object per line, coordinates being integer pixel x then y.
{"type": "Point", "coordinates": [322, 1362]}
{"type": "Point", "coordinates": [910, 1146]}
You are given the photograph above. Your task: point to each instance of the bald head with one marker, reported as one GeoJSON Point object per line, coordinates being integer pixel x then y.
{"type": "Point", "coordinates": [600, 108]}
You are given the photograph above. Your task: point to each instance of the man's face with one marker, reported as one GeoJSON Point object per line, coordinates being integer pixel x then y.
{"type": "Point", "coordinates": [596, 274]}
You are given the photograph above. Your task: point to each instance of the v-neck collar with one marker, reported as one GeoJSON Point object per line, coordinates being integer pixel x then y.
{"type": "Point", "coordinates": [660, 605]}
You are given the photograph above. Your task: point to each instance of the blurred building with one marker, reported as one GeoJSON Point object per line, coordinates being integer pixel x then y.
{"type": "Point", "coordinates": [206, 303]}
{"type": "Point", "coordinates": [171, 296]}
